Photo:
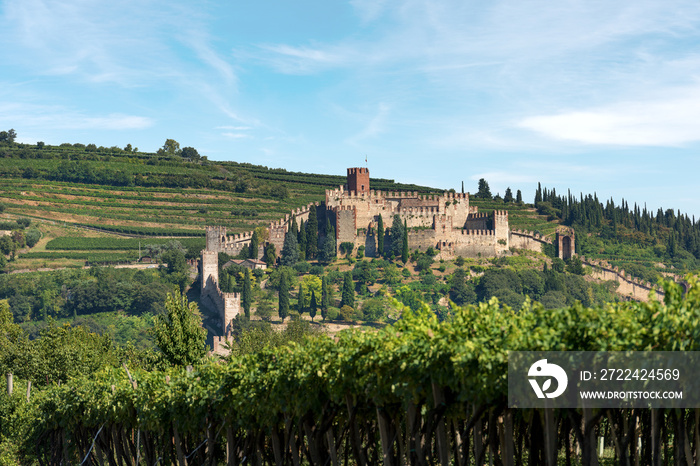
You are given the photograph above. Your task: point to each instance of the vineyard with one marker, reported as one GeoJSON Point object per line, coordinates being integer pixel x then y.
{"type": "Point", "coordinates": [416, 392]}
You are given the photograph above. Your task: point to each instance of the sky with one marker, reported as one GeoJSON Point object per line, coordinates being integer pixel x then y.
{"type": "Point", "coordinates": [589, 95]}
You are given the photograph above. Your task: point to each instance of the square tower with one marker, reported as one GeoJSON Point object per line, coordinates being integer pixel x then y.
{"type": "Point", "coordinates": [358, 180]}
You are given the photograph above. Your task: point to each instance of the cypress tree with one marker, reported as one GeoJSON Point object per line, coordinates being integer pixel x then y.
{"type": "Point", "coordinates": [519, 197]}
{"type": "Point", "coordinates": [313, 306]}
{"type": "Point", "coordinates": [396, 236]}
{"type": "Point", "coordinates": [348, 298]}
{"type": "Point", "coordinates": [302, 240]}
{"type": "Point", "coordinates": [246, 295]}
{"type": "Point", "coordinates": [254, 245]}
{"type": "Point", "coordinates": [404, 246]}
{"type": "Point", "coordinates": [300, 300]}
{"type": "Point", "coordinates": [284, 297]}
{"type": "Point", "coordinates": [312, 235]}
{"type": "Point", "coordinates": [380, 236]}
{"type": "Point", "coordinates": [325, 297]}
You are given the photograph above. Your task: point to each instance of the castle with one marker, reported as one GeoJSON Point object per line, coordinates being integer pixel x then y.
{"type": "Point", "coordinates": [445, 222]}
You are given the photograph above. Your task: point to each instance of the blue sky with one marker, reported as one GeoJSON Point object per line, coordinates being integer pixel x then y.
{"type": "Point", "coordinates": [590, 95]}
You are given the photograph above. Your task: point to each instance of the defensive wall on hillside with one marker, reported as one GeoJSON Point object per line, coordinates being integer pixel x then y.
{"type": "Point", "coordinates": [633, 287]}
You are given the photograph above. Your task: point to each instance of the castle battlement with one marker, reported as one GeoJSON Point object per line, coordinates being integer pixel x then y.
{"type": "Point", "coordinates": [477, 232]}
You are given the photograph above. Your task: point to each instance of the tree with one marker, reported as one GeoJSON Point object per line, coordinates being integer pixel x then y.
{"type": "Point", "coordinates": [300, 300]}
{"type": "Point", "coordinates": [284, 297]}
{"type": "Point", "coordinates": [519, 197]}
{"type": "Point", "coordinates": [313, 306]}
{"type": "Point", "coordinates": [312, 235]}
{"type": "Point", "coordinates": [270, 255]}
{"type": "Point", "coordinates": [189, 153]}
{"type": "Point", "coordinates": [246, 295]}
{"type": "Point", "coordinates": [460, 292]}
{"type": "Point", "coordinates": [254, 246]}
{"type": "Point", "coordinates": [508, 197]}
{"type": "Point", "coordinates": [325, 297]}
{"type": "Point", "coordinates": [171, 147]}
{"type": "Point", "coordinates": [380, 236]}
{"type": "Point", "coordinates": [328, 251]}
{"type": "Point", "coordinates": [179, 333]}
{"type": "Point", "coordinates": [290, 250]}
{"type": "Point", "coordinates": [301, 237]}
{"type": "Point", "coordinates": [348, 298]}
{"type": "Point", "coordinates": [484, 191]}
{"type": "Point", "coordinates": [8, 136]}
{"type": "Point", "coordinates": [404, 244]}
{"type": "Point", "coordinates": [396, 236]}
{"type": "Point", "coordinates": [346, 248]}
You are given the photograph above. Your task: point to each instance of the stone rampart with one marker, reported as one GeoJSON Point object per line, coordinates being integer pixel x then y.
{"type": "Point", "coordinates": [630, 286]}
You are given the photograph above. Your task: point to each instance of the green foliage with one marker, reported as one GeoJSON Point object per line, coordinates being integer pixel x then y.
{"type": "Point", "coordinates": [346, 248]}
{"type": "Point", "coordinates": [283, 297]}
{"type": "Point", "coordinates": [348, 296]}
{"type": "Point", "coordinates": [290, 250]}
{"type": "Point", "coordinates": [373, 310]}
{"type": "Point", "coordinates": [380, 236]}
{"type": "Point", "coordinates": [179, 334]}
{"type": "Point", "coordinates": [247, 294]}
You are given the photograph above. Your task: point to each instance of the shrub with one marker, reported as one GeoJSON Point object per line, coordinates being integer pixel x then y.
{"type": "Point", "coordinates": [302, 267]}
{"type": "Point", "coordinates": [347, 313]}
{"type": "Point", "coordinates": [33, 237]}
{"type": "Point", "coordinates": [333, 313]}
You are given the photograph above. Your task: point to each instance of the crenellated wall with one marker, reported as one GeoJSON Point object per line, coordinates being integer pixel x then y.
{"type": "Point", "coordinates": [218, 240]}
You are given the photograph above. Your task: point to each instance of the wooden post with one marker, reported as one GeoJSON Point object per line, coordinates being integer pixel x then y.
{"type": "Point", "coordinates": [9, 384]}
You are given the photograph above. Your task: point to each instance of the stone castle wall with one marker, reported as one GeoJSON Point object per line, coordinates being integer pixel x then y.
{"type": "Point", "coordinates": [633, 287]}
{"type": "Point", "coordinates": [520, 239]}
{"type": "Point", "coordinates": [218, 240]}
{"type": "Point", "coordinates": [228, 305]}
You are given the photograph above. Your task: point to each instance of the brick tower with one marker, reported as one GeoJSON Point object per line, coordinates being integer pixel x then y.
{"type": "Point", "coordinates": [358, 180]}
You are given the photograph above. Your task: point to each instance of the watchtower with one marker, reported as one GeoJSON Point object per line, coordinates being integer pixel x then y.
{"type": "Point", "coordinates": [566, 241]}
{"type": "Point", "coordinates": [358, 180]}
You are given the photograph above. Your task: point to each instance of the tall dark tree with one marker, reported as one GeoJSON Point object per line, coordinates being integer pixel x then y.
{"type": "Point", "coordinates": [328, 251]}
{"type": "Point", "coordinates": [380, 236]}
{"type": "Point", "coordinates": [508, 197]}
{"type": "Point", "coordinates": [348, 298]}
{"type": "Point", "coordinates": [254, 245]}
{"type": "Point", "coordinates": [484, 191]}
{"type": "Point", "coordinates": [519, 197]}
{"type": "Point", "coordinates": [396, 236]}
{"type": "Point", "coordinates": [404, 244]}
{"type": "Point", "coordinates": [270, 255]}
{"type": "Point", "coordinates": [301, 237]}
{"type": "Point", "coordinates": [300, 300]}
{"type": "Point", "coordinates": [312, 235]}
{"type": "Point", "coordinates": [325, 297]}
{"type": "Point", "coordinates": [290, 250]}
{"type": "Point", "coordinates": [246, 294]}
{"type": "Point", "coordinates": [284, 297]}
{"type": "Point", "coordinates": [313, 306]}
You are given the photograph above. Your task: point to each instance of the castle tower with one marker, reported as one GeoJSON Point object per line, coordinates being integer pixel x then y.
{"type": "Point", "coordinates": [566, 241]}
{"type": "Point", "coordinates": [501, 229]}
{"type": "Point", "coordinates": [358, 180]}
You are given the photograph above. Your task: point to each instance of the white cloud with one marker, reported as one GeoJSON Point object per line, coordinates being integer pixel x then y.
{"type": "Point", "coordinates": [375, 126]}
{"type": "Point", "coordinates": [57, 117]}
{"type": "Point", "coordinates": [670, 121]}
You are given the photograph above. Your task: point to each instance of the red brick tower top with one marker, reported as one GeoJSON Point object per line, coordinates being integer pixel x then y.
{"type": "Point", "coordinates": [358, 180]}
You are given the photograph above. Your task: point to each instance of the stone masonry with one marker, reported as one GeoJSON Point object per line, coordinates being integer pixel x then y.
{"type": "Point", "coordinates": [445, 222]}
